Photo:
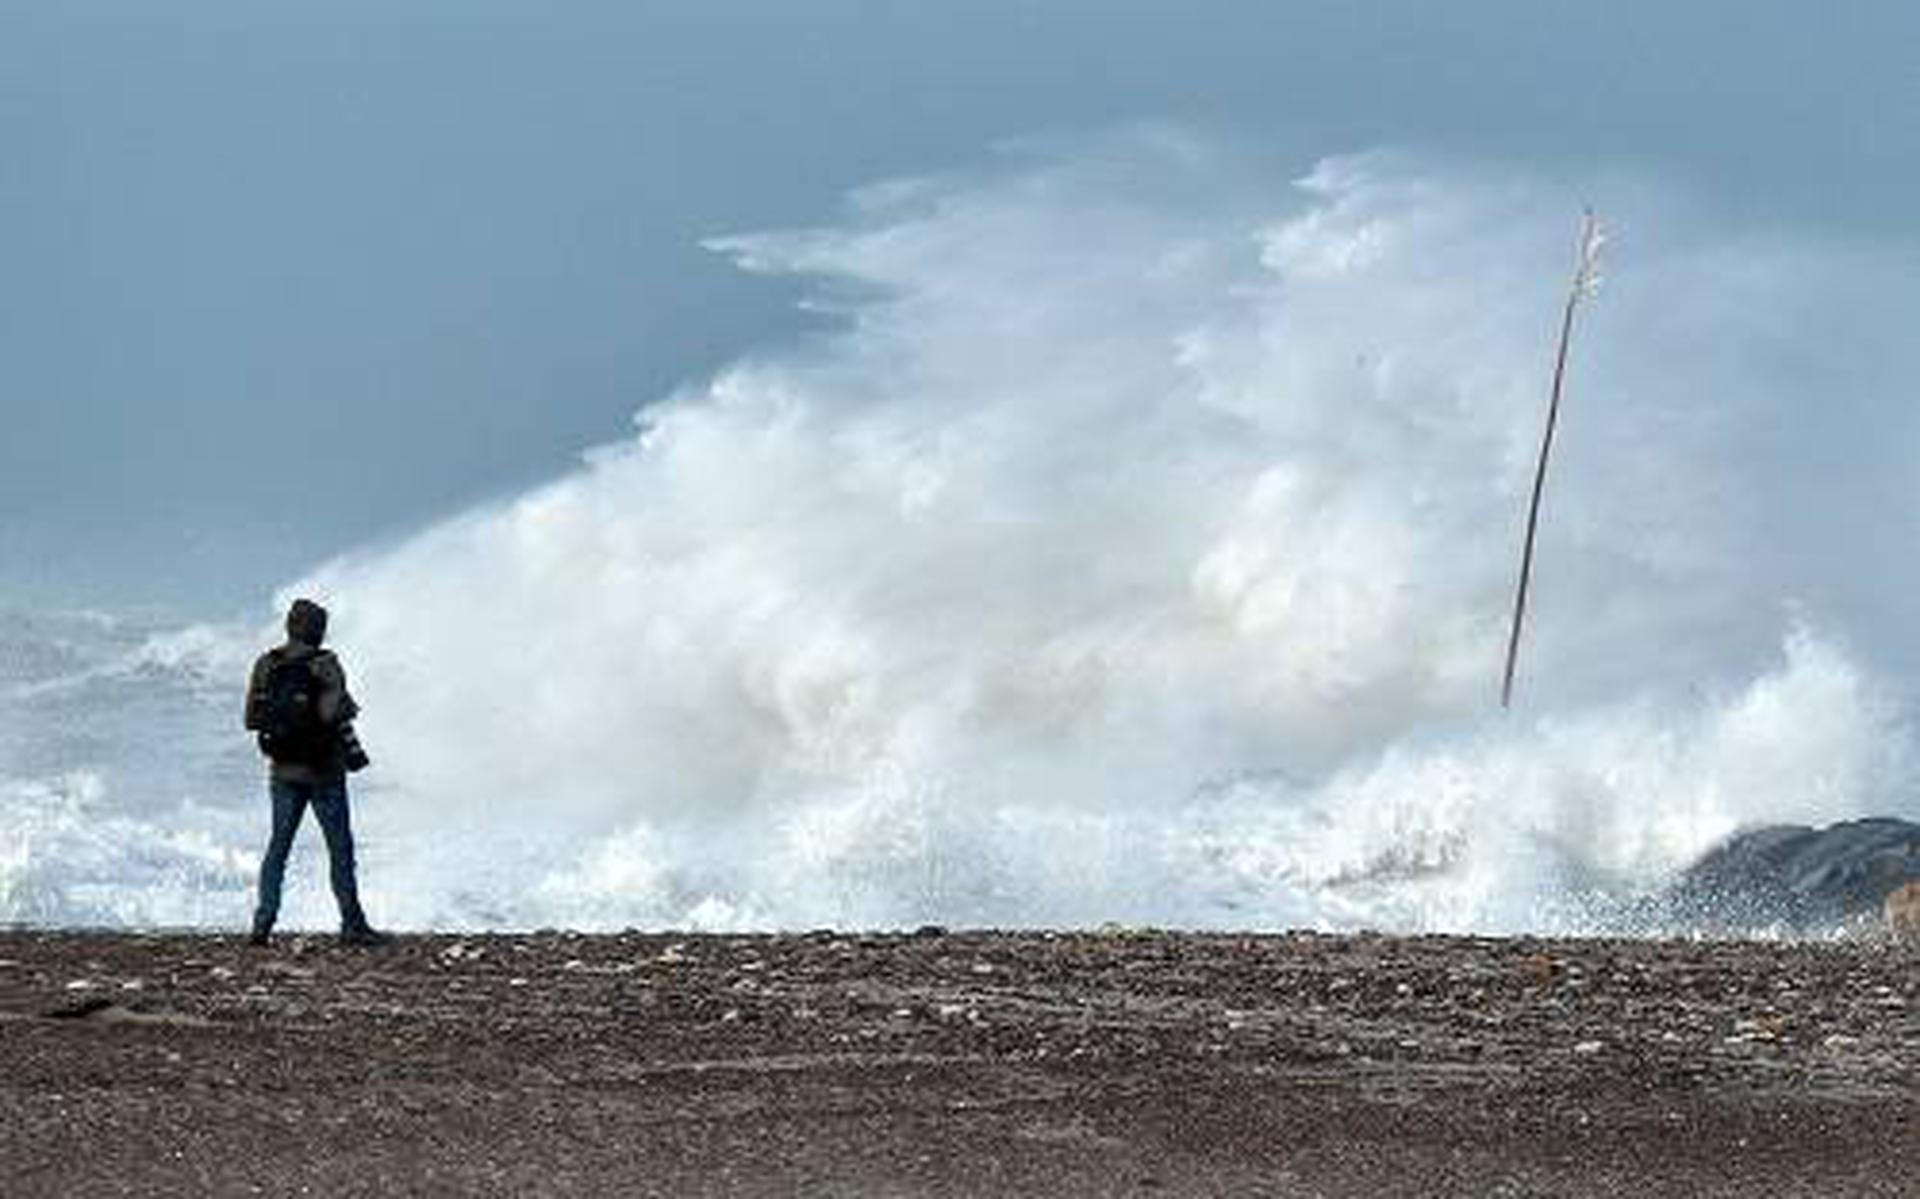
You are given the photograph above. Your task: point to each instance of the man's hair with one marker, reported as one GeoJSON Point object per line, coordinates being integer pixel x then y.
{"type": "Point", "coordinates": [307, 622]}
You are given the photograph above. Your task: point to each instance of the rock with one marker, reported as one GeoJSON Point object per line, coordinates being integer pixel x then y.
{"type": "Point", "coordinates": [1902, 911]}
{"type": "Point", "coordinates": [105, 1011]}
{"type": "Point", "coordinates": [1800, 877]}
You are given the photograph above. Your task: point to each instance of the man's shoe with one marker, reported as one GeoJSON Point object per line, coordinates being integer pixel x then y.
{"type": "Point", "coordinates": [257, 937]}
{"type": "Point", "coordinates": [364, 936]}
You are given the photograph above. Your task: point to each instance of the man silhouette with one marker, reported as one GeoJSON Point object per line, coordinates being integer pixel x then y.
{"type": "Point", "coordinates": [297, 703]}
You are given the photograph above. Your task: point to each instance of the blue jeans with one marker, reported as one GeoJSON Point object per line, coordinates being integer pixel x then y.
{"type": "Point", "coordinates": [328, 799]}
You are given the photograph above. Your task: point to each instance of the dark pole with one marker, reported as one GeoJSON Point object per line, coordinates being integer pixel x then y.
{"type": "Point", "coordinates": [1584, 279]}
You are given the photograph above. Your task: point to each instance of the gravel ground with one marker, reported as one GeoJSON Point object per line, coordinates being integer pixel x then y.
{"type": "Point", "coordinates": [965, 1063]}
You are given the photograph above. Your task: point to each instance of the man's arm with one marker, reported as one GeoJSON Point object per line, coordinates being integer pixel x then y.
{"type": "Point", "coordinates": [335, 706]}
{"type": "Point", "coordinates": [255, 719]}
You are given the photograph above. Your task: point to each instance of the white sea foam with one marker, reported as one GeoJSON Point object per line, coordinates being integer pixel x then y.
{"type": "Point", "coordinates": [1138, 547]}
{"type": "Point", "coordinates": [66, 857]}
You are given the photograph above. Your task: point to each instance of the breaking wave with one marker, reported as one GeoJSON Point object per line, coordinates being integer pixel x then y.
{"type": "Point", "coordinates": [1134, 544]}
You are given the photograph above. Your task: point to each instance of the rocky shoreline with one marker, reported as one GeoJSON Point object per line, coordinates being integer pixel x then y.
{"type": "Point", "coordinates": [957, 1063]}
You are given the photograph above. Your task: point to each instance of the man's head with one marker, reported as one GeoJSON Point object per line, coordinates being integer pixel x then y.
{"type": "Point", "coordinates": [307, 623]}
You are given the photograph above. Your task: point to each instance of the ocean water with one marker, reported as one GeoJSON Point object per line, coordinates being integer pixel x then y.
{"type": "Point", "coordinates": [1133, 543]}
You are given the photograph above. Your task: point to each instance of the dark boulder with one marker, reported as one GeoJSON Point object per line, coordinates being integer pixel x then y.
{"type": "Point", "coordinates": [1798, 878]}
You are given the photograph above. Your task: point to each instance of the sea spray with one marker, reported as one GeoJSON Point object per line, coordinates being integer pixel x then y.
{"type": "Point", "coordinates": [1135, 546]}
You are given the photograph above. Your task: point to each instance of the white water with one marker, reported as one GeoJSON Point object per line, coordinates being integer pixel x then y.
{"type": "Point", "coordinates": [1136, 546]}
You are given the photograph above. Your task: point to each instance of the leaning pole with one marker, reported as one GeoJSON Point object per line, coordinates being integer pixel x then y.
{"type": "Point", "coordinates": [1586, 277]}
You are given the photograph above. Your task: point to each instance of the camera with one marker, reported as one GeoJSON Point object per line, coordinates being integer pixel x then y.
{"type": "Point", "coordinates": [352, 754]}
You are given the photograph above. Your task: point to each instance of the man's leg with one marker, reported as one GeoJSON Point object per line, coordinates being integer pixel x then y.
{"type": "Point", "coordinates": [330, 808]}
{"type": "Point", "coordinates": [289, 803]}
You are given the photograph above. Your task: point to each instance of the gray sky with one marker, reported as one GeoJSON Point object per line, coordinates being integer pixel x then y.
{"type": "Point", "coordinates": [280, 278]}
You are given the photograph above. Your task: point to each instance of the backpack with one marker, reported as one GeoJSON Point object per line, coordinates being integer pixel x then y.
{"type": "Point", "coordinates": [293, 732]}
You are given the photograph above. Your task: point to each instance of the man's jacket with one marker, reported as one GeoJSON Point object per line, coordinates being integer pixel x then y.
{"type": "Point", "coordinates": [334, 706]}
